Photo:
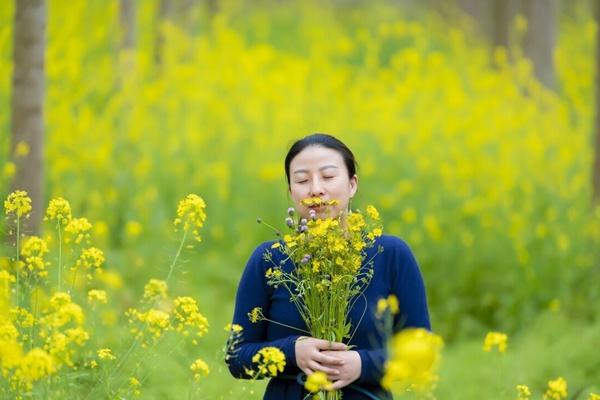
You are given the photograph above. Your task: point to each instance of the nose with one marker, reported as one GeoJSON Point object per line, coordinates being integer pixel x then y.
{"type": "Point", "coordinates": [316, 188]}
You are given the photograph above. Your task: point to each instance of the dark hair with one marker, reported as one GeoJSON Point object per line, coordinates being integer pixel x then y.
{"type": "Point", "coordinates": [325, 140]}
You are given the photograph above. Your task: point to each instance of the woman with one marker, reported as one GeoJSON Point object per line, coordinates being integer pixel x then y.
{"type": "Point", "coordinates": [321, 166]}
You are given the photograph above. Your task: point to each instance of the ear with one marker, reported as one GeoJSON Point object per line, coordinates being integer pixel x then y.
{"type": "Point", "coordinates": [353, 185]}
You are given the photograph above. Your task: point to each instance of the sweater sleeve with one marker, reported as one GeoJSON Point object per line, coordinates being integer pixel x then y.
{"type": "Point", "coordinates": [252, 292]}
{"type": "Point", "coordinates": [407, 284]}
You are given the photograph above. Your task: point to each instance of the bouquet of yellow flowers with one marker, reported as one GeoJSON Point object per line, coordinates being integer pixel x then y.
{"type": "Point", "coordinates": [331, 270]}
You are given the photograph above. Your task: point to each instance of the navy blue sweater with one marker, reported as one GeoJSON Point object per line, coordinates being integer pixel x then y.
{"type": "Point", "coordinates": [395, 272]}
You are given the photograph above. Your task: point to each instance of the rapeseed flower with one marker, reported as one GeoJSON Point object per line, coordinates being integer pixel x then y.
{"type": "Point", "coordinates": [33, 250]}
{"type": "Point", "coordinates": [78, 229]}
{"type": "Point", "coordinates": [155, 289]}
{"type": "Point", "coordinates": [414, 361]}
{"type": "Point", "coordinates": [270, 361]}
{"type": "Point", "coordinates": [495, 339]}
{"type": "Point", "coordinates": [59, 210]}
{"type": "Point", "coordinates": [187, 316]}
{"type": "Point", "coordinates": [190, 214]}
{"type": "Point", "coordinates": [96, 296]}
{"type": "Point", "coordinates": [317, 381]}
{"type": "Point", "coordinates": [199, 368]}
{"type": "Point", "coordinates": [557, 389]}
{"type": "Point", "coordinates": [523, 392]}
{"type": "Point", "coordinates": [17, 203]}
{"type": "Point", "coordinates": [106, 354]}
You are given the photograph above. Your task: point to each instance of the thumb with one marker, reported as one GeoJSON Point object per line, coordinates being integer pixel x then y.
{"type": "Point", "coordinates": [326, 345]}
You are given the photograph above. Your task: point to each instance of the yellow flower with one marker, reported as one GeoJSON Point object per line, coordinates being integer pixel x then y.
{"type": "Point", "coordinates": [106, 354]}
{"type": "Point", "coordinates": [89, 258]}
{"type": "Point", "coordinates": [59, 209]}
{"type": "Point", "coordinates": [270, 361]}
{"type": "Point", "coordinates": [187, 316]}
{"type": "Point", "coordinates": [415, 358]}
{"type": "Point", "coordinates": [199, 368]}
{"type": "Point", "coordinates": [390, 303]}
{"type": "Point", "coordinates": [233, 328]}
{"type": "Point", "coordinates": [557, 389]}
{"type": "Point", "coordinates": [18, 203]}
{"type": "Point", "coordinates": [134, 385]}
{"type": "Point", "coordinates": [35, 365]}
{"type": "Point", "coordinates": [523, 392]}
{"type": "Point", "coordinates": [33, 251]}
{"type": "Point", "coordinates": [190, 213]}
{"type": "Point", "coordinates": [96, 296]}
{"type": "Point", "coordinates": [155, 289]}
{"type": "Point", "coordinates": [498, 339]}
{"type": "Point", "coordinates": [317, 381]}
{"type": "Point", "coordinates": [372, 212]}
{"type": "Point", "coordinates": [256, 315]}
{"type": "Point", "coordinates": [593, 396]}
{"type": "Point", "coordinates": [78, 228]}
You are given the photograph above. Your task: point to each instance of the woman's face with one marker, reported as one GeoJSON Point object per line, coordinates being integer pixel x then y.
{"type": "Point", "coordinates": [320, 172]}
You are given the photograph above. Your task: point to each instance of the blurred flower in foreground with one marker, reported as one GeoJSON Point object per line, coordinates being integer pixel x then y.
{"type": "Point", "coordinates": [317, 382]}
{"type": "Point", "coordinates": [415, 355]}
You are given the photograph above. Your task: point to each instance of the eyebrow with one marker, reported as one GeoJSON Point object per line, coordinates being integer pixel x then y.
{"type": "Point", "coordinates": [305, 171]}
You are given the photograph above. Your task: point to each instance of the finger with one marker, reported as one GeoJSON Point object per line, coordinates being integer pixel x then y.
{"type": "Point", "coordinates": [339, 384]}
{"type": "Point", "coordinates": [325, 345]}
{"type": "Point", "coordinates": [327, 359]}
{"type": "Point", "coordinates": [318, 367]}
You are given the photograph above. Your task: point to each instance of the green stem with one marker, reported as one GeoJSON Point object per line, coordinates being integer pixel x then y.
{"type": "Point", "coordinates": [172, 267]}
{"type": "Point", "coordinates": [59, 255]}
{"type": "Point", "coordinates": [18, 260]}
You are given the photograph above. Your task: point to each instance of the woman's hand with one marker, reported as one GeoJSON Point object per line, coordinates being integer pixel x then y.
{"type": "Point", "coordinates": [314, 355]}
{"type": "Point", "coordinates": [348, 372]}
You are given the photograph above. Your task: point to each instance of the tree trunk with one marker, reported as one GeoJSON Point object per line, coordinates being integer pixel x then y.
{"type": "Point", "coordinates": [27, 105]}
{"type": "Point", "coordinates": [127, 21]}
{"type": "Point", "coordinates": [502, 20]}
{"type": "Point", "coordinates": [164, 14]}
{"type": "Point", "coordinates": [596, 172]}
{"type": "Point", "coordinates": [540, 38]}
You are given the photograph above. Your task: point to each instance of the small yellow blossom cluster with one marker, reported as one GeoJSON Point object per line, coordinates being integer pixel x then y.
{"type": "Point", "coordinates": [78, 230]}
{"type": "Point", "coordinates": [557, 389]}
{"type": "Point", "coordinates": [190, 214]}
{"type": "Point", "coordinates": [495, 339]}
{"type": "Point", "coordinates": [523, 392]}
{"type": "Point", "coordinates": [155, 289]}
{"type": "Point", "coordinates": [256, 315]}
{"type": "Point", "coordinates": [188, 317]}
{"type": "Point", "coordinates": [390, 303]}
{"type": "Point", "coordinates": [59, 210]}
{"type": "Point", "coordinates": [317, 381]}
{"type": "Point", "coordinates": [18, 203]}
{"type": "Point", "coordinates": [5, 281]}
{"type": "Point", "coordinates": [593, 396]}
{"type": "Point", "coordinates": [62, 328]}
{"type": "Point", "coordinates": [199, 368]}
{"type": "Point", "coordinates": [96, 296]}
{"type": "Point", "coordinates": [33, 366]}
{"type": "Point", "coordinates": [90, 260]}
{"type": "Point", "coordinates": [270, 362]}
{"type": "Point", "coordinates": [33, 264]}
{"type": "Point", "coordinates": [414, 361]}
{"type": "Point", "coordinates": [106, 354]}
{"type": "Point", "coordinates": [156, 321]}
